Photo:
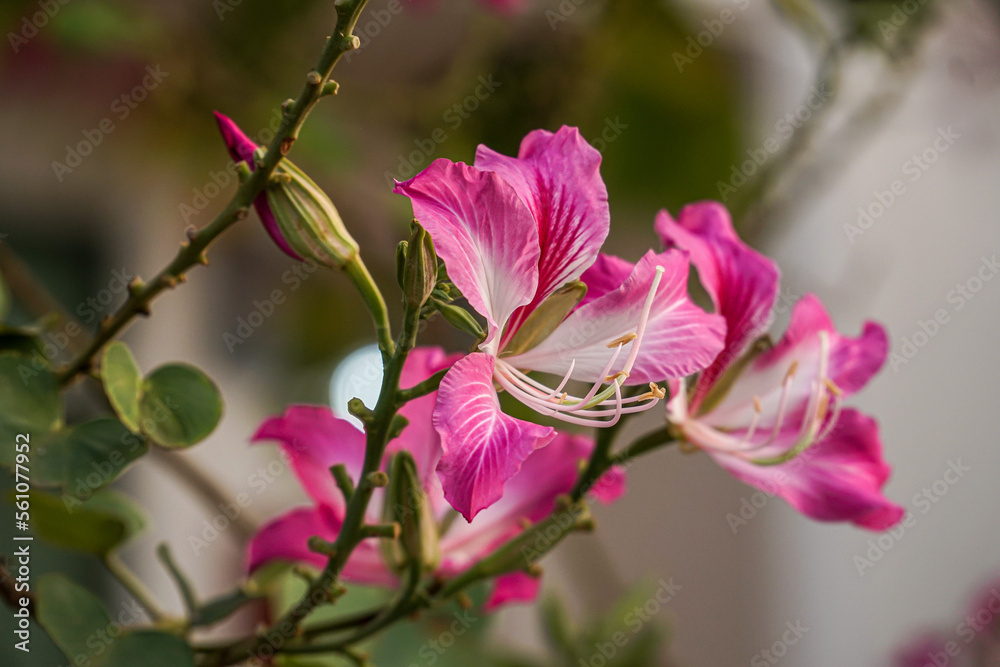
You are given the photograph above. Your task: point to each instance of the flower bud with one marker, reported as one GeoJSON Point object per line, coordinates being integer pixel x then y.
{"type": "Point", "coordinates": [296, 213]}
{"type": "Point", "coordinates": [420, 268]}
{"type": "Point", "coordinates": [460, 318]}
{"type": "Point", "coordinates": [407, 504]}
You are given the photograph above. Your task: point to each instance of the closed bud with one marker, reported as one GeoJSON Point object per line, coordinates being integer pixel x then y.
{"type": "Point", "coordinates": [420, 268]}
{"type": "Point", "coordinates": [460, 318]}
{"type": "Point", "coordinates": [407, 504]}
{"type": "Point", "coordinates": [296, 213]}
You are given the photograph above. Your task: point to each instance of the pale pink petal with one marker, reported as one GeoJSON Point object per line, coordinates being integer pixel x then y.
{"type": "Point", "coordinates": [510, 588]}
{"type": "Point", "coordinates": [605, 275]}
{"type": "Point", "coordinates": [742, 283]}
{"type": "Point", "coordinates": [482, 446]}
{"type": "Point", "coordinates": [853, 361]}
{"type": "Point", "coordinates": [314, 440]}
{"type": "Point", "coordinates": [839, 478]}
{"type": "Point", "coordinates": [241, 149]}
{"type": "Point", "coordinates": [557, 175]}
{"type": "Point", "coordinates": [483, 232]}
{"type": "Point", "coordinates": [680, 338]}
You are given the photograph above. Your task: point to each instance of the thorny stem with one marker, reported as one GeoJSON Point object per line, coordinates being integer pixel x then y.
{"type": "Point", "coordinates": [192, 251]}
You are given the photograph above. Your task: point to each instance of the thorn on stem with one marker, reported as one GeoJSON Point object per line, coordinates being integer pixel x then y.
{"type": "Point", "coordinates": [286, 145]}
{"type": "Point", "coordinates": [242, 212]}
{"type": "Point", "coordinates": [314, 78]}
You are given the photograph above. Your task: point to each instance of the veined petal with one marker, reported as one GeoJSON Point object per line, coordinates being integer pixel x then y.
{"type": "Point", "coordinates": [482, 446]}
{"type": "Point", "coordinates": [557, 175]}
{"type": "Point", "coordinates": [680, 338]}
{"type": "Point", "coordinates": [742, 283]}
{"type": "Point", "coordinates": [419, 437]}
{"type": "Point", "coordinates": [286, 539]}
{"type": "Point", "coordinates": [484, 233]}
{"type": "Point", "coordinates": [314, 440]}
{"type": "Point", "coordinates": [853, 361]}
{"type": "Point", "coordinates": [511, 588]}
{"type": "Point", "coordinates": [839, 478]}
{"type": "Point", "coordinates": [530, 495]}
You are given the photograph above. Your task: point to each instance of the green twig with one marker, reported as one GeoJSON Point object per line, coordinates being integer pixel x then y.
{"type": "Point", "coordinates": [135, 587]}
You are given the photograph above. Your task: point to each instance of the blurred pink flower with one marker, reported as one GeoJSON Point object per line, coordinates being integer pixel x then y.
{"type": "Point", "coordinates": [516, 235]}
{"type": "Point", "coordinates": [773, 417]}
{"type": "Point", "coordinates": [314, 440]}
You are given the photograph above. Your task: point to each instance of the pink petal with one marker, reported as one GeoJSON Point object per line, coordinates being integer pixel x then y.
{"type": "Point", "coordinates": [530, 495]}
{"type": "Point", "coordinates": [419, 437]}
{"type": "Point", "coordinates": [482, 446]}
{"type": "Point", "coordinates": [853, 361]}
{"type": "Point", "coordinates": [839, 478]}
{"type": "Point", "coordinates": [484, 233]}
{"type": "Point", "coordinates": [314, 440]}
{"type": "Point", "coordinates": [680, 338]}
{"type": "Point", "coordinates": [286, 539]}
{"type": "Point", "coordinates": [241, 149]}
{"type": "Point", "coordinates": [512, 587]}
{"type": "Point", "coordinates": [558, 177]}
{"type": "Point", "coordinates": [605, 275]}
{"type": "Point", "coordinates": [743, 283]}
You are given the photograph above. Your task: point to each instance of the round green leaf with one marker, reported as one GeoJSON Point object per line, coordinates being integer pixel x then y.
{"type": "Point", "coordinates": [97, 526]}
{"type": "Point", "coordinates": [180, 406]}
{"type": "Point", "coordinates": [71, 615]}
{"type": "Point", "coordinates": [122, 383]}
{"type": "Point", "coordinates": [29, 402]}
{"type": "Point", "coordinates": [87, 457]}
{"type": "Point", "coordinates": [149, 649]}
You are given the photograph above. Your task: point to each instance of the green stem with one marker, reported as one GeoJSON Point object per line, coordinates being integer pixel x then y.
{"type": "Point", "coordinates": [192, 251]}
{"type": "Point", "coordinates": [647, 443]}
{"type": "Point", "coordinates": [134, 586]}
{"type": "Point", "coordinates": [423, 388]}
{"type": "Point", "coordinates": [358, 273]}
{"type": "Point", "coordinates": [180, 580]}
{"type": "Point", "coordinates": [600, 461]}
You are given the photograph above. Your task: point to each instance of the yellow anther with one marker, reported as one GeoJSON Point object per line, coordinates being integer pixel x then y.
{"type": "Point", "coordinates": [619, 374]}
{"type": "Point", "coordinates": [627, 338]}
{"type": "Point", "coordinates": [834, 389]}
{"type": "Point", "coordinates": [791, 370]}
{"type": "Point", "coordinates": [756, 404]}
{"type": "Point", "coordinates": [655, 390]}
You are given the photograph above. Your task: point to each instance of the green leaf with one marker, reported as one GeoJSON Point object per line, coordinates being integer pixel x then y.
{"type": "Point", "coordinates": [29, 403]}
{"type": "Point", "coordinates": [71, 615]}
{"type": "Point", "coordinates": [180, 406]}
{"type": "Point", "coordinates": [87, 457]}
{"type": "Point", "coordinates": [97, 526]}
{"type": "Point", "coordinates": [122, 383]}
{"type": "Point", "coordinates": [149, 649]}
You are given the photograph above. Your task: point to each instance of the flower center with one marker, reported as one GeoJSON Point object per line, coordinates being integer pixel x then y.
{"type": "Point", "coordinates": [601, 406]}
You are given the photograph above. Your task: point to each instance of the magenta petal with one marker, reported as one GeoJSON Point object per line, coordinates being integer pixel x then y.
{"type": "Point", "coordinates": [680, 337]}
{"type": "Point", "coordinates": [558, 177]}
{"type": "Point", "coordinates": [606, 274]}
{"type": "Point", "coordinates": [839, 478]}
{"type": "Point", "coordinates": [314, 439]}
{"type": "Point", "coordinates": [285, 538]}
{"type": "Point", "coordinates": [512, 587]}
{"type": "Point", "coordinates": [743, 283]}
{"type": "Point", "coordinates": [482, 446]}
{"type": "Point", "coordinates": [853, 361]}
{"type": "Point", "coordinates": [484, 233]}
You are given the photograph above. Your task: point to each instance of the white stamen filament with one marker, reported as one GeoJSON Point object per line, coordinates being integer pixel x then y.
{"type": "Point", "coordinates": [581, 410]}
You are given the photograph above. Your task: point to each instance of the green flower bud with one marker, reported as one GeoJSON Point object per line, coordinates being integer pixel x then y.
{"type": "Point", "coordinates": [420, 268]}
{"type": "Point", "coordinates": [460, 318]}
{"type": "Point", "coordinates": [407, 504]}
{"type": "Point", "coordinates": [307, 219]}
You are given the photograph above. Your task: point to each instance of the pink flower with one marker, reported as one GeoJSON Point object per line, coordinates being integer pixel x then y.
{"type": "Point", "coordinates": [754, 410]}
{"type": "Point", "coordinates": [314, 440]}
{"type": "Point", "coordinates": [516, 235]}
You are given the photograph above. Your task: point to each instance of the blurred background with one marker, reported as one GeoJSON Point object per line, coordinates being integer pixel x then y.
{"type": "Point", "coordinates": [857, 142]}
